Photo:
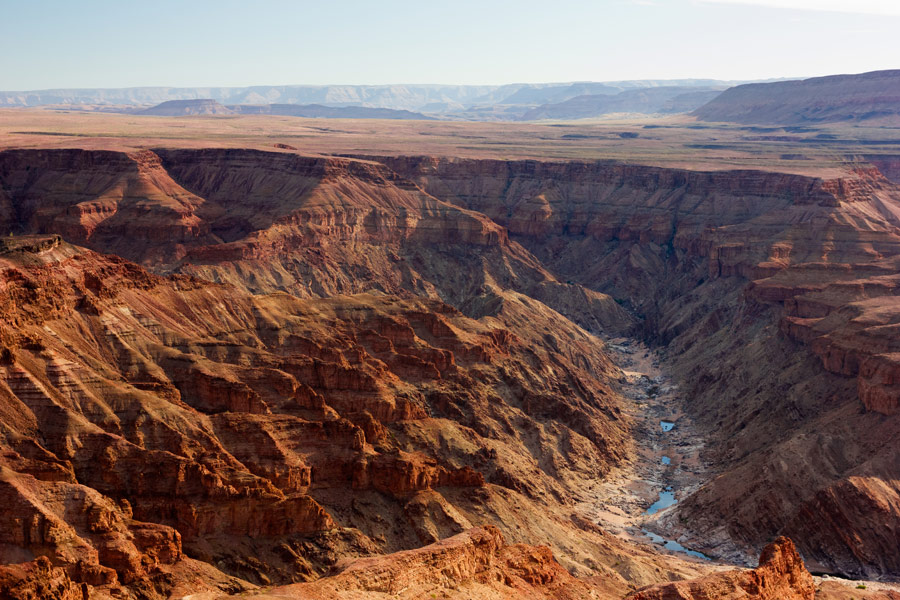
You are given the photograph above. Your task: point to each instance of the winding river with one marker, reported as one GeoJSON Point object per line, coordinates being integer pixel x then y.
{"type": "Point", "coordinates": [667, 499]}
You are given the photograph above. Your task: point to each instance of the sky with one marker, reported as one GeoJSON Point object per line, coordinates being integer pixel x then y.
{"type": "Point", "coordinates": [191, 43]}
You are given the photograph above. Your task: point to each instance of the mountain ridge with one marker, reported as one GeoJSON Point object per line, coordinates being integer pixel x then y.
{"type": "Point", "coordinates": [871, 98]}
{"type": "Point", "coordinates": [414, 97]}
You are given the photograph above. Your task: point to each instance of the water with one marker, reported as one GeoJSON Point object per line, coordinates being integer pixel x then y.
{"type": "Point", "coordinates": [672, 545]}
{"type": "Point", "coordinates": [666, 499]}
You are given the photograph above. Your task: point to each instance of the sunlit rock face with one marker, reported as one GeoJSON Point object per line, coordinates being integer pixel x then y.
{"type": "Point", "coordinates": [245, 367]}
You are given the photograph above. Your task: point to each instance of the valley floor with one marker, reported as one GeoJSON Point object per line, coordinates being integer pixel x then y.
{"type": "Point", "coordinates": [667, 464]}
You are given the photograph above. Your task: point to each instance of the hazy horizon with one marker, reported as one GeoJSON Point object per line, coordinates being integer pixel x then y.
{"type": "Point", "coordinates": [108, 45]}
{"type": "Point", "coordinates": [409, 84]}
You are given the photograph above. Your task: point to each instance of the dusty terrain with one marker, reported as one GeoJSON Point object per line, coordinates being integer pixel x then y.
{"type": "Point", "coordinates": [678, 141]}
{"type": "Point", "coordinates": [232, 367]}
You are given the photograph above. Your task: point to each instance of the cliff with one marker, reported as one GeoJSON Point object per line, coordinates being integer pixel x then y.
{"type": "Point", "coordinates": [308, 226]}
{"type": "Point", "coordinates": [779, 576]}
{"type": "Point", "coordinates": [148, 417]}
{"type": "Point", "coordinates": [436, 364]}
{"type": "Point", "coordinates": [775, 296]}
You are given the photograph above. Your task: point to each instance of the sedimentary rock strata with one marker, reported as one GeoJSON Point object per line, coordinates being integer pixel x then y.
{"type": "Point", "coordinates": [146, 418]}
{"type": "Point", "coordinates": [268, 363]}
{"type": "Point", "coordinates": [779, 576]}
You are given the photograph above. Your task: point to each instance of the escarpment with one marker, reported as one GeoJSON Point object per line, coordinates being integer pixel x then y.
{"type": "Point", "coordinates": [148, 419]}
{"type": "Point", "coordinates": [762, 285]}
{"type": "Point", "coordinates": [269, 363]}
{"type": "Point", "coordinates": [265, 222]}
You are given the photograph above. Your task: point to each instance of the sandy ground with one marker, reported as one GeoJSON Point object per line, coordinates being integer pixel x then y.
{"type": "Point", "coordinates": [836, 588]}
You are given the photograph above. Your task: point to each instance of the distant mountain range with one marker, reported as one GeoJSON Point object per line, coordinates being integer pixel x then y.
{"type": "Point", "coordinates": [664, 100]}
{"type": "Point", "coordinates": [486, 102]}
{"type": "Point", "coordinates": [182, 108]}
{"type": "Point", "coordinates": [319, 111]}
{"type": "Point", "coordinates": [872, 98]}
{"type": "Point", "coordinates": [207, 106]}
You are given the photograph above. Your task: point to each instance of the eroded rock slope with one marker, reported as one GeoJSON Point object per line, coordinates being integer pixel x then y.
{"type": "Point", "coordinates": [776, 296]}
{"type": "Point", "coordinates": [150, 420]}
{"type": "Point", "coordinates": [434, 364]}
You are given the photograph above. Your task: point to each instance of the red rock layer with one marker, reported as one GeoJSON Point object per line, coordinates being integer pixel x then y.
{"type": "Point", "coordinates": [268, 435]}
{"type": "Point", "coordinates": [681, 247]}
{"type": "Point", "coordinates": [779, 576]}
{"type": "Point", "coordinates": [476, 564]}
{"type": "Point", "coordinates": [264, 222]}
{"type": "Point", "coordinates": [495, 240]}
{"type": "Point", "coordinates": [39, 580]}
{"type": "Point", "coordinates": [815, 245]}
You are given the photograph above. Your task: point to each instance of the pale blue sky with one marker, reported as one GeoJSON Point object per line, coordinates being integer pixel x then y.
{"type": "Point", "coordinates": [124, 43]}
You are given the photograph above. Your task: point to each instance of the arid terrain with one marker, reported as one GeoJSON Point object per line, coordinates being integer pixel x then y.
{"type": "Point", "coordinates": [280, 357]}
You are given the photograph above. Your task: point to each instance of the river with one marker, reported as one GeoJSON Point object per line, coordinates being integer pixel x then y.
{"type": "Point", "coordinates": [667, 463]}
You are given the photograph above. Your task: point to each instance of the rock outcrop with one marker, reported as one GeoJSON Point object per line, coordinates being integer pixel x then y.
{"type": "Point", "coordinates": [147, 417]}
{"type": "Point", "coordinates": [39, 580]}
{"type": "Point", "coordinates": [476, 564]}
{"type": "Point", "coordinates": [779, 576]}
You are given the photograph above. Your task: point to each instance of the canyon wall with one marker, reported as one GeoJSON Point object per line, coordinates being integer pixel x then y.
{"type": "Point", "coordinates": [437, 363]}
{"type": "Point", "coordinates": [151, 421]}
{"type": "Point", "coordinates": [776, 297]}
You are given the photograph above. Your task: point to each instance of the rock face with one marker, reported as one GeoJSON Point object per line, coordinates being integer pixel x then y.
{"type": "Point", "coordinates": [779, 576]}
{"type": "Point", "coordinates": [284, 360]}
{"type": "Point", "coordinates": [781, 283]}
{"type": "Point", "coordinates": [281, 222]}
{"type": "Point", "coordinates": [476, 564]}
{"type": "Point", "coordinates": [869, 98]}
{"type": "Point", "coordinates": [39, 580]}
{"type": "Point", "coordinates": [145, 417]}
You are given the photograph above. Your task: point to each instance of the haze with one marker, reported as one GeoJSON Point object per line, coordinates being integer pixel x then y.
{"type": "Point", "coordinates": [228, 43]}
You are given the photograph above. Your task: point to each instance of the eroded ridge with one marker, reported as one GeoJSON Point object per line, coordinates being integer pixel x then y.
{"type": "Point", "coordinates": [304, 358]}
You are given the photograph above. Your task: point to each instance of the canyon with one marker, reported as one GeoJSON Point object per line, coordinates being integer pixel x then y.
{"type": "Point", "coordinates": [355, 374]}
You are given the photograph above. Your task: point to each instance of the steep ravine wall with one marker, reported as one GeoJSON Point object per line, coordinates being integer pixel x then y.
{"type": "Point", "coordinates": [716, 265]}
{"type": "Point", "coordinates": [760, 285]}
{"type": "Point", "coordinates": [265, 222]}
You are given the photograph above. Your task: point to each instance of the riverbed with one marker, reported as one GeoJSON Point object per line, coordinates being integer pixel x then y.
{"type": "Point", "coordinates": [667, 465]}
